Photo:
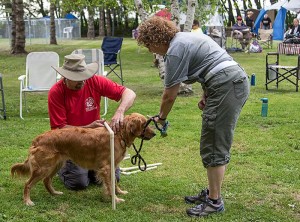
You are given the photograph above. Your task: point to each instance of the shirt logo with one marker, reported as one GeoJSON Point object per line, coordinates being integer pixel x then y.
{"type": "Point", "coordinates": [90, 104]}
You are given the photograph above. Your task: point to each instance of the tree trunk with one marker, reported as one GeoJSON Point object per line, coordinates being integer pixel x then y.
{"type": "Point", "coordinates": [52, 24]}
{"type": "Point", "coordinates": [141, 11]}
{"type": "Point", "coordinates": [18, 45]}
{"type": "Point", "coordinates": [108, 22]}
{"type": "Point", "coordinates": [126, 19]}
{"type": "Point", "coordinates": [186, 89]}
{"type": "Point", "coordinates": [258, 4]}
{"type": "Point", "coordinates": [237, 9]}
{"type": "Point", "coordinates": [42, 9]}
{"type": "Point", "coordinates": [13, 26]}
{"type": "Point", "coordinates": [101, 21]}
{"type": "Point", "coordinates": [231, 19]}
{"type": "Point", "coordinates": [91, 26]}
{"type": "Point", "coordinates": [175, 12]}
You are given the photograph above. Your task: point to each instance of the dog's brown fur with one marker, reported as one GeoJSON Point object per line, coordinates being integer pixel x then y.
{"type": "Point", "coordinates": [89, 148]}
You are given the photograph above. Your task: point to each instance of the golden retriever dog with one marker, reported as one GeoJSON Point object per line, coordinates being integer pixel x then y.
{"type": "Point", "coordinates": [89, 148]}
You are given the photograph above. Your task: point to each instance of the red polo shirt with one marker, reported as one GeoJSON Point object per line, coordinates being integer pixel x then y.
{"type": "Point", "coordinates": [80, 107]}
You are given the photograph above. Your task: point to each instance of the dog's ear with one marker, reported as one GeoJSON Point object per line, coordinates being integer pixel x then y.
{"type": "Point", "coordinates": [135, 125]}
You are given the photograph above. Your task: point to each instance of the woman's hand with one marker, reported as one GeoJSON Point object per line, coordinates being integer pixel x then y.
{"type": "Point", "coordinates": [202, 102]}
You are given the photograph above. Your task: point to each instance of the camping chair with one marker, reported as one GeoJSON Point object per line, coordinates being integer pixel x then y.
{"type": "Point", "coordinates": [278, 73]}
{"type": "Point", "coordinates": [265, 37]}
{"type": "Point", "coordinates": [111, 47]}
{"type": "Point", "coordinates": [68, 32]}
{"type": "Point", "coordinates": [95, 55]}
{"type": "Point", "coordinates": [3, 109]}
{"type": "Point", "coordinates": [40, 76]}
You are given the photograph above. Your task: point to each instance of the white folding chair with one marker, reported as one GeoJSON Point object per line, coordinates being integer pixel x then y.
{"type": "Point", "coordinates": [40, 76]}
{"type": "Point", "coordinates": [95, 55]}
{"type": "Point", "coordinates": [68, 32]}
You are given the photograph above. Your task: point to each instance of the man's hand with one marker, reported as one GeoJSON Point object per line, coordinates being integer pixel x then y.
{"type": "Point", "coordinates": [117, 122]}
{"type": "Point", "coordinates": [96, 123]}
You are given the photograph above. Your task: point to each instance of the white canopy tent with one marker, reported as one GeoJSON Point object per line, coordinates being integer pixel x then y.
{"type": "Point", "coordinates": [293, 5]}
{"type": "Point", "coordinates": [276, 6]}
{"type": "Point", "coordinates": [215, 29]}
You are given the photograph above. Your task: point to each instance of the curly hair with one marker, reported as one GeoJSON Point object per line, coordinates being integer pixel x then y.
{"type": "Point", "coordinates": [156, 31]}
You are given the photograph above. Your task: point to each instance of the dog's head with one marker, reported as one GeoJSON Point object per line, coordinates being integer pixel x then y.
{"type": "Point", "coordinates": [136, 125]}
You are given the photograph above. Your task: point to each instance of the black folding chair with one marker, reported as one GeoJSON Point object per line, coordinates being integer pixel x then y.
{"type": "Point", "coordinates": [111, 47]}
{"type": "Point", "coordinates": [278, 73]}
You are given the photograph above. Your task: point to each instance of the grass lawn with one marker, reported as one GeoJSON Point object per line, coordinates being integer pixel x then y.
{"type": "Point", "coordinates": [261, 182]}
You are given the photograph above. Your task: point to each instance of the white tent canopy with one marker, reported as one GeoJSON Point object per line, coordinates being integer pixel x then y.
{"type": "Point", "coordinates": [277, 5]}
{"type": "Point", "coordinates": [214, 20]}
{"type": "Point", "coordinates": [293, 5]}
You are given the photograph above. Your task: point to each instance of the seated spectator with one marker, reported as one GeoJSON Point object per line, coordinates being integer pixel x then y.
{"type": "Point", "coordinates": [241, 32]}
{"type": "Point", "coordinates": [266, 22]}
{"type": "Point", "coordinates": [294, 30]}
{"type": "Point", "coordinates": [196, 27]}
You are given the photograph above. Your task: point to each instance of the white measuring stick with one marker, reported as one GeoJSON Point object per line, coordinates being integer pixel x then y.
{"type": "Point", "coordinates": [137, 171]}
{"type": "Point", "coordinates": [136, 167]}
{"type": "Point", "coordinates": [112, 165]}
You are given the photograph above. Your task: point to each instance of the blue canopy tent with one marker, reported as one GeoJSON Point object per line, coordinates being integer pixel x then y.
{"type": "Point", "coordinates": [258, 20]}
{"type": "Point", "coordinates": [70, 16]}
{"type": "Point", "coordinates": [278, 24]}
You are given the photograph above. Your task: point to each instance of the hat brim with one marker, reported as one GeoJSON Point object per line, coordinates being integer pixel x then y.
{"type": "Point", "coordinates": [90, 71]}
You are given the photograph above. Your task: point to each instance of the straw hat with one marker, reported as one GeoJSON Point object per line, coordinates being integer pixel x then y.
{"type": "Point", "coordinates": [75, 68]}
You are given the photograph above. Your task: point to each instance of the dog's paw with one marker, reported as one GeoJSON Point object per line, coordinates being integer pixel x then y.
{"type": "Point", "coordinates": [57, 193]}
{"type": "Point", "coordinates": [122, 192]}
{"type": "Point", "coordinates": [29, 203]}
{"type": "Point", "coordinates": [119, 200]}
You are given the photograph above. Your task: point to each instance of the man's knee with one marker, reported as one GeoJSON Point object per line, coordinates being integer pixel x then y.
{"type": "Point", "coordinates": [78, 182]}
{"type": "Point", "coordinates": [74, 177]}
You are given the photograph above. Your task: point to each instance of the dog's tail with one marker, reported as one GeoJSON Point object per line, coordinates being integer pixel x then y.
{"type": "Point", "coordinates": [20, 169]}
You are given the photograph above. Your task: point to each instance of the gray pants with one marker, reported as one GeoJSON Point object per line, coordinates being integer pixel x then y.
{"type": "Point", "coordinates": [75, 177]}
{"type": "Point", "coordinates": [227, 92]}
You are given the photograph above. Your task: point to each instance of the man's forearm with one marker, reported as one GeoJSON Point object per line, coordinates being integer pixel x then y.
{"type": "Point", "coordinates": [127, 100]}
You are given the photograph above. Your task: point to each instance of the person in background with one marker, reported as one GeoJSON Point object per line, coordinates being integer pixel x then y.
{"type": "Point", "coordinates": [241, 32]}
{"type": "Point", "coordinates": [191, 58]}
{"type": "Point", "coordinates": [295, 29]}
{"type": "Point", "coordinates": [74, 101]}
{"type": "Point", "coordinates": [249, 20]}
{"type": "Point", "coordinates": [196, 27]}
{"type": "Point", "coordinates": [266, 22]}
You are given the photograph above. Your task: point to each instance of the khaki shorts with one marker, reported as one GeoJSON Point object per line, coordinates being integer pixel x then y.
{"type": "Point", "coordinates": [227, 92]}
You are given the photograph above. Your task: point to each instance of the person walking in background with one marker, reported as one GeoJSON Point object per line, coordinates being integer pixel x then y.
{"type": "Point", "coordinates": [196, 27]}
{"type": "Point", "coordinates": [266, 22]}
{"type": "Point", "coordinates": [75, 101]}
{"type": "Point", "coordinates": [249, 20]}
{"type": "Point", "coordinates": [191, 58]}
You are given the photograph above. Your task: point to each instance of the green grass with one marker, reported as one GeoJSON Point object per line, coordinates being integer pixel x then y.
{"type": "Point", "coordinates": [261, 182]}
